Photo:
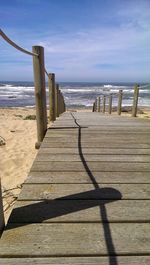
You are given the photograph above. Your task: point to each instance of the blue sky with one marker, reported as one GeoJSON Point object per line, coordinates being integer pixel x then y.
{"type": "Point", "coordinates": [84, 40]}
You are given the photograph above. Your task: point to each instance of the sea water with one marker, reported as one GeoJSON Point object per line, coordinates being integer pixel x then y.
{"type": "Point", "coordinates": [77, 95]}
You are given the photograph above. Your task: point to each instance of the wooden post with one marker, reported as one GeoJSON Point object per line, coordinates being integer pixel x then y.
{"type": "Point", "coordinates": [60, 103]}
{"type": "Point", "coordinates": [135, 100]}
{"type": "Point", "coordinates": [110, 104]}
{"type": "Point", "coordinates": [57, 100]}
{"type": "Point", "coordinates": [40, 93]}
{"type": "Point", "coordinates": [98, 104]}
{"type": "Point", "coordinates": [119, 102]}
{"type": "Point", "coordinates": [52, 103]}
{"type": "Point", "coordinates": [95, 105]}
{"type": "Point", "coordinates": [63, 104]}
{"type": "Point", "coordinates": [2, 222]}
{"type": "Point", "coordinates": [104, 102]}
{"type": "Point", "coordinates": [93, 108]}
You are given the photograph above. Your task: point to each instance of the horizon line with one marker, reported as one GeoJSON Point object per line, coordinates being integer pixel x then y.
{"type": "Point", "coordinates": [134, 82]}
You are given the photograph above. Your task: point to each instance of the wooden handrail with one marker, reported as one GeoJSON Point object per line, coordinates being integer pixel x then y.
{"type": "Point", "coordinates": [40, 89]}
{"type": "Point", "coordinates": [120, 98]}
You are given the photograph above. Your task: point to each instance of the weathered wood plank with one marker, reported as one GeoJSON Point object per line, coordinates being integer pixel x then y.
{"type": "Point", "coordinates": [93, 166]}
{"type": "Point", "coordinates": [100, 122]}
{"type": "Point", "coordinates": [64, 125]}
{"type": "Point", "coordinates": [94, 151]}
{"type": "Point", "coordinates": [97, 134]}
{"type": "Point", "coordinates": [80, 211]}
{"type": "Point", "coordinates": [107, 130]}
{"type": "Point", "coordinates": [100, 118]}
{"type": "Point", "coordinates": [99, 140]}
{"type": "Point", "coordinates": [96, 131]}
{"type": "Point", "coordinates": [106, 144]}
{"type": "Point", "coordinates": [100, 158]}
{"type": "Point", "coordinates": [84, 191]}
{"type": "Point", "coordinates": [102, 128]}
{"type": "Point", "coordinates": [83, 177]}
{"type": "Point", "coordinates": [96, 125]}
{"type": "Point", "coordinates": [129, 260]}
{"type": "Point", "coordinates": [82, 115]}
{"type": "Point", "coordinates": [80, 239]}
{"type": "Point", "coordinates": [90, 121]}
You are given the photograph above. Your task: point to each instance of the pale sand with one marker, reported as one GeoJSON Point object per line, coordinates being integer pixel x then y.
{"type": "Point", "coordinates": [145, 115]}
{"type": "Point", "coordinates": [19, 152]}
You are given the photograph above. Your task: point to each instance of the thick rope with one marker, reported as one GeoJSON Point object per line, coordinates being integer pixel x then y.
{"type": "Point", "coordinates": [46, 72]}
{"type": "Point", "coordinates": [15, 45]}
{"type": "Point", "coordinates": [144, 86]}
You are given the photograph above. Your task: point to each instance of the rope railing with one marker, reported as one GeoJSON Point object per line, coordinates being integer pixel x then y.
{"type": "Point", "coordinates": [99, 104]}
{"type": "Point", "coordinates": [4, 36]}
{"type": "Point", "coordinates": [148, 85]}
{"type": "Point", "coordinates": [46, 72]}
{"type": "Point", "coordinates": [56, 99]}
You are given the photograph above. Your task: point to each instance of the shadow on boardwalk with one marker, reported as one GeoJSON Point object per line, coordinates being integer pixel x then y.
{"type": "Point", "coordinates": [47, 209]}
{"type": "Point", "coordinates": [103, 212]}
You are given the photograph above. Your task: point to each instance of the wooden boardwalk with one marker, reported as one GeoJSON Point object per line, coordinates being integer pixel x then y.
{"type": "Point", "coordinates": [86, 199]}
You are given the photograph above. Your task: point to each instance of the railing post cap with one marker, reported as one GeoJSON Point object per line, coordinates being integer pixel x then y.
{"type": "Point", "coordinates": [37, 46]}
{"type": "Point", "coordinates": [51, 75]}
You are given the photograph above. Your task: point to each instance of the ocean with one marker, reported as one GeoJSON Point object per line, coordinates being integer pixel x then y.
{"type": "Point", "coordinates": [77, 95]}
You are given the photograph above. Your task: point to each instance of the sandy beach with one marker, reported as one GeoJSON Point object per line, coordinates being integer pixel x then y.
{"type": "Point", "coordinates": [19, 135]}
{"type": "Point", "coordinates": [17, 154]}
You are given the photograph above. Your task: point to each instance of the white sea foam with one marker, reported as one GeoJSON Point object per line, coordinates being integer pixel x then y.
{"type": "Point", "coordinates": [16, 88]}
{"type": "Point", "coordinates": [80, 90]}
{"type": "Point", "coordinates": [7, 85]}
{"type": "Point", "coordinates": [115, 86]}
{"type": "Point", "coordinates": [144, 91]}
{"type": "Point", "coordinates": [75, 95]}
